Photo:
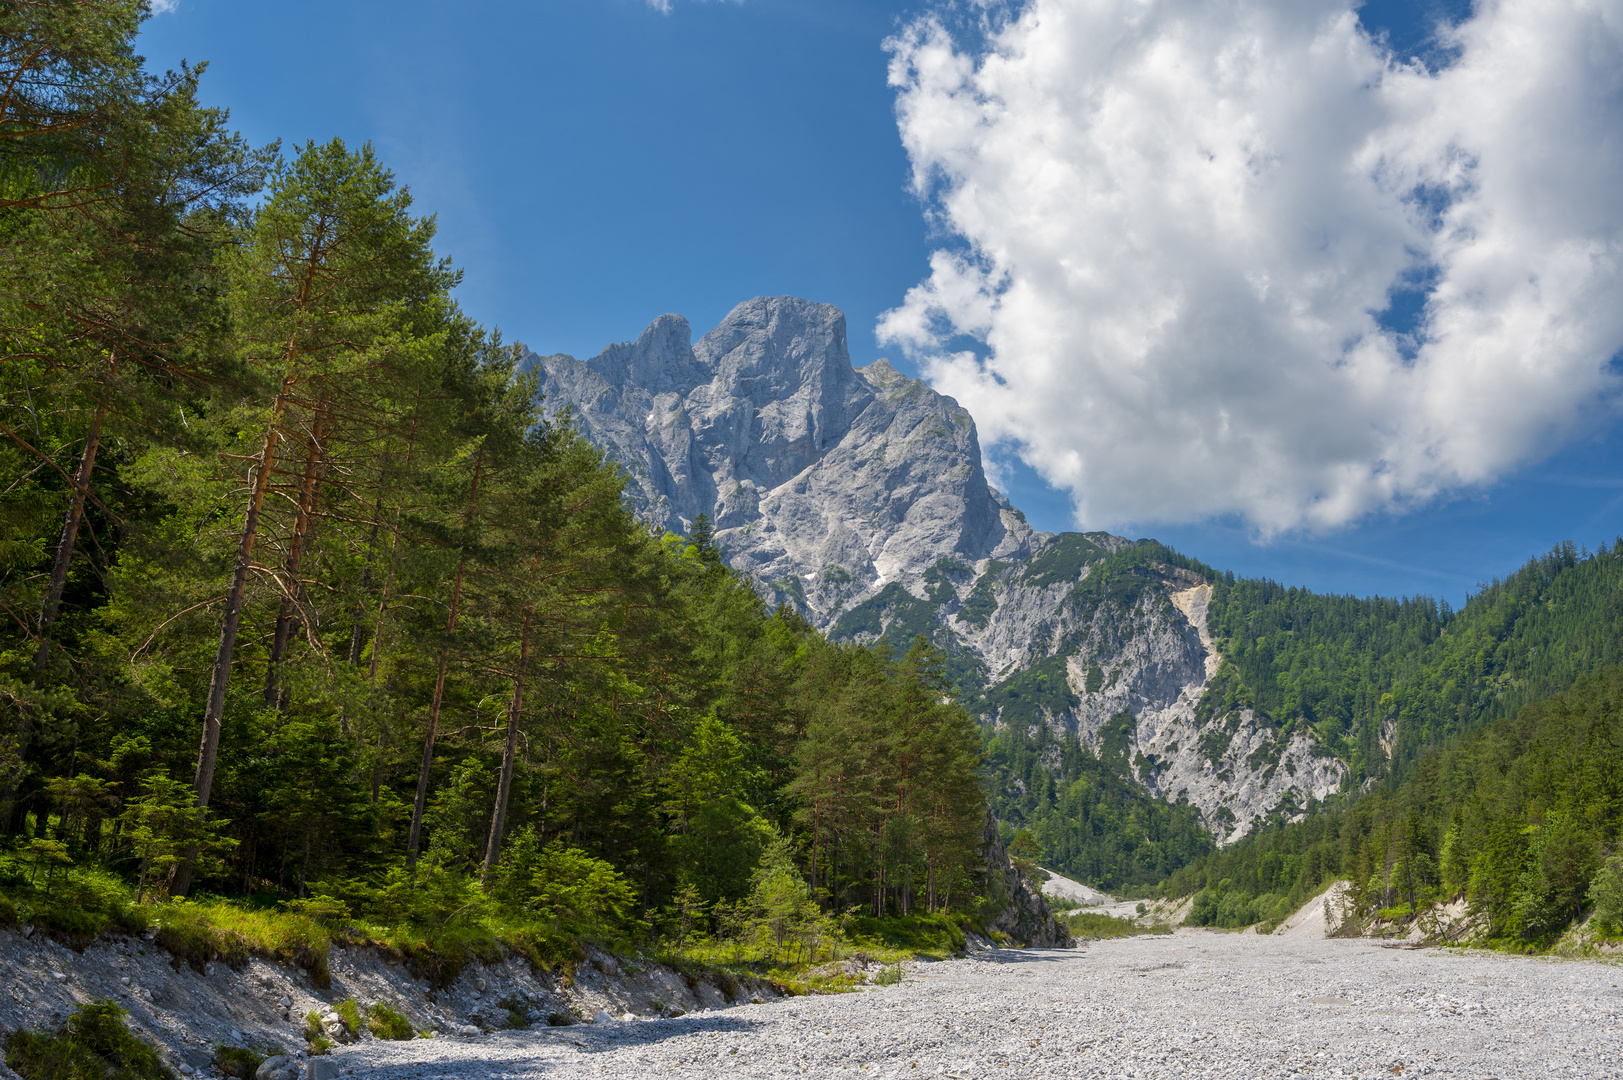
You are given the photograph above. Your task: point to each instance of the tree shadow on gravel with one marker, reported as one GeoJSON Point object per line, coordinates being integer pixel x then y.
{"type": "Point", "coordinates": [619, 1035]}
{"type": "Point", "coordinates": [1026, 956]}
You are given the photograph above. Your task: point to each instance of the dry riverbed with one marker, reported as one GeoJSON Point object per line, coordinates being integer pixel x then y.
{"type": "Point", "coordinates": [1195, 1004]}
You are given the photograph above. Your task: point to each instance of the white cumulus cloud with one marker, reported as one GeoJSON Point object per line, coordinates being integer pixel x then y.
{"type": "Point", "coordinates": [164, 7]}
{"type": "Point", "coordinates": [1172, 228]}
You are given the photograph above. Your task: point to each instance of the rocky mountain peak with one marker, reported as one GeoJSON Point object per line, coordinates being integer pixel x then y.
{"type": "Point", "coordinates": [661, 360]}
{"type": "Point", "coordinates": [824, 481]}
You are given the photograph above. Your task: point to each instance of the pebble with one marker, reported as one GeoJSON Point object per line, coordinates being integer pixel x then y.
{"type": "Point", "coordinates": [1194, 1005]}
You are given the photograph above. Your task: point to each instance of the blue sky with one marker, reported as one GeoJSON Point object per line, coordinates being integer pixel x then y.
{"type": "Point", "coordinates": [595, 163]}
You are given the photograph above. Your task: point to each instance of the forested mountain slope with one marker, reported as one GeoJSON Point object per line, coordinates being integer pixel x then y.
{"type": "Point", "coordinates": [1523, 819]}
{"type": "Point", "coordinates": [1376, 683]}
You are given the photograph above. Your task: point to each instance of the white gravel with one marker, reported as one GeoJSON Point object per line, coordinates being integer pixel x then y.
{"type": "Point", "coordinates": [1195, 1004]}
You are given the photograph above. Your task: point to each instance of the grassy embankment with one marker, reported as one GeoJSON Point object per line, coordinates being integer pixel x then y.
{"type": "Point", "coordinates": [77, 904]}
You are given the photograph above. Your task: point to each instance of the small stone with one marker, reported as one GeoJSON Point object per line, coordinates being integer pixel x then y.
{"type": "Point", "coordinates": [321, 1068]}
{"type": "Point", "coordinates": [602, 1017]}
{"type": "Point", "coordinates": [59, 976]}
{"type": "Point", "coordinates": [287, 1003]}
{"type": "Point", "coordinates": [186, 1070]}
{"type": "Point", "coordinates": [757, 999]}
{"type": "Point", "coordinates": [280, 1067]}
{"type": "Point", "coordinates": [236, 1036]}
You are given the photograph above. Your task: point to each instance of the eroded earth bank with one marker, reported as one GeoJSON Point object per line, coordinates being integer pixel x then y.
{"type": "Point", "coordinates": [1193, 1004]}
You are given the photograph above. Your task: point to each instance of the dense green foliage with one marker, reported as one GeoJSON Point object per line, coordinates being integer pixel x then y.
{"type": "Point", "coordinates": [894, 618]}
{"type": "Point", "coordinates": [307, 605]}
{"type": "Point", "coordinates": [1344, 667]}
{"type": "Point", "coordinates": [1523, 819]}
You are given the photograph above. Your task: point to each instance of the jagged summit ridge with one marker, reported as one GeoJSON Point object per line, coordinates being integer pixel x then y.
{"type": "Point", "coordinates": [824, 481]}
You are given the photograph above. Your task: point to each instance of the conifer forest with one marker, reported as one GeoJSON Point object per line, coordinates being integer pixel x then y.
{"type": "Point", "coordinates": [307, 605]}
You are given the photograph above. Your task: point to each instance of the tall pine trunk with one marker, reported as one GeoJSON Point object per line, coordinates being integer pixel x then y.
{"type": "Point", "coordinates": [69, 538]}
{"type": "Point", "coordinates": [214, 710]}
{"type": "Point", "coordinates": [498, 820]}
{"type": "Point", "coordinates": [415, 836]}
{"type": "Point", "coordinates": [52, 605]}
{"type": "Point", "coordinates": [287, 622]}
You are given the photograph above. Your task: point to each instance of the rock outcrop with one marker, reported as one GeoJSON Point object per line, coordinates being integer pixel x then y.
{"type": "Point", "coordinates": [858, 495]}
{"type": "Point", "coordinates": [1026, 916]}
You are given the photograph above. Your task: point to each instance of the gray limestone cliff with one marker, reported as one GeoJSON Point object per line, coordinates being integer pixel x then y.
{"type": "Point", "coordinates": [858, 495]}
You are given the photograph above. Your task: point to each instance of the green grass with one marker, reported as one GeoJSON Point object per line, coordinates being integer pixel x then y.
{"type": "Point", "coordinates": [237, 1061]}
{"type": "Point", "coordinates": [197, 932]}
{"type": "Point", "coordinates": [935, 937]}
{"type": "Point", "coordinates": [74, 904]}
{"type": "Point", "coordinates": [94, 1044]}
{"type": "Point", "coordinates": [389, 1023]}
{"type": "Point", "coordinates": [315, 1034]}
{"type": "Point", "coordinates": [349, 1011]}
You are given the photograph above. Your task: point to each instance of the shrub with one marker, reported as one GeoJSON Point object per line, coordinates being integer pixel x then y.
{"type": "Point", "coordinates": [517, 1011]}
{"type": "Point", "coordinates": [889, 975]}
{"type": "Point", "coordinates": [237, 1061]}
{"type": "Point", "coordinates": [315, 1034]}
{"type": "Point", "coordinates": [927, 935]}
{"type": "Point", "coordinates": [1096, 924]}
{"type": "Point", "coordinates": [388, 1023]}
{"type": "Point", "coordinates": [1606, 894]}
{"type": "Point", "coordinates": [95, 1044]}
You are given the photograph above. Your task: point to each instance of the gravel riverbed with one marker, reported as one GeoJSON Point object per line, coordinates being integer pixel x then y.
{"type": "Point", "coordinates": [1190, 1005]}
